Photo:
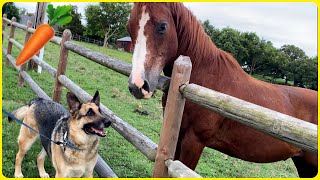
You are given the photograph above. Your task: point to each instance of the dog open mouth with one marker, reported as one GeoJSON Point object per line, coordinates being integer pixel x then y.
{"type": "Point", "coordinates": [95, 129]}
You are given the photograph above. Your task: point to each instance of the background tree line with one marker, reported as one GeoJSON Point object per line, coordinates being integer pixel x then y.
{"type": "Point", "coordinates": [257, 56]}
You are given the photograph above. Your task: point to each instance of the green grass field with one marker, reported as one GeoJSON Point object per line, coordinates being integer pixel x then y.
{"type": "Point", "coordinates": [119, 154]}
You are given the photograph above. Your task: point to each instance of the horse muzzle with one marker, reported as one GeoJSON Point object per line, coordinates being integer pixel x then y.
{"type": "Point", "coordinates": [142, 92]}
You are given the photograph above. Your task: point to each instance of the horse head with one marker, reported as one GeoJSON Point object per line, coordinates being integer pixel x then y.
{"type": "Point", "coordinates": [154, 37]}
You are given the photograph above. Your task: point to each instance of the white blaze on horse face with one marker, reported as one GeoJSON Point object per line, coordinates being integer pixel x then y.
{"type": "Point", "coordinates": [140, 52]}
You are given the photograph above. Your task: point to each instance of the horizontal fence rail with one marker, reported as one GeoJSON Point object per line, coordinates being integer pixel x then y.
{"type": "Point", "coordinates": [177, 169]}
{"type": "Point", "coordinates": [104, 169]}
{"type": "Point", "coordinates": [77, 37]}
{"type": "Point", "coordinates": [289, 129]}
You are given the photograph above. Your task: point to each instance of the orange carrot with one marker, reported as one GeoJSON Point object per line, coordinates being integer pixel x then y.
{"type": "Point", "coordinates": [41, 36]}
{"type": "Point", "coordinates": [60, 15]}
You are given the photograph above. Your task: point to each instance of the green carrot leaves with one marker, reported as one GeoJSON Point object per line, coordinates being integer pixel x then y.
{"type": "Point", "coordinates": [60, 15]}
{"type": "Point", "coordinates": [64, 20]}
{"type": "Point", "coordinates": [50, 11]}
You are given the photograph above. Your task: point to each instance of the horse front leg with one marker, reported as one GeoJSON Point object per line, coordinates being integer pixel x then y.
{"type": "Point", "coordinates": [189, 149]}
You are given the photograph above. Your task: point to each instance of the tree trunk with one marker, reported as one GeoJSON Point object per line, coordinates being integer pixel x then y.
{"type": "Point", "coordinates": [105, 42]}
{"type": "Point", "coordinates": [252, 66]}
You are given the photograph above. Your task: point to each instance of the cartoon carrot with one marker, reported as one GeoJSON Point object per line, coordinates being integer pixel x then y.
{"type": "Point", "coordinates": [44, 32]}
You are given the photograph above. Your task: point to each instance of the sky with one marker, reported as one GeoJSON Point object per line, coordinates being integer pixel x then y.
{"type": "Point", "coordinates": [280, 23]}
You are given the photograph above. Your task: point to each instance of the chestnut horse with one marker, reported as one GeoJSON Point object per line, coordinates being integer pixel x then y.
{"type": "Point", "coordinates": [160, 33]}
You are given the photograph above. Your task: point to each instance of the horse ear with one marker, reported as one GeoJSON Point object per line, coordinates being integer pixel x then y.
{"type": "Point", "coordinates": [73, 102]}
{"type": "Point", "coordinates": [96, 98]}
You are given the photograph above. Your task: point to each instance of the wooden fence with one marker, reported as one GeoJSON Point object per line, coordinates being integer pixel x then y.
{"type": "Point", "coordinates": [286, 128]}
{"type": "Point", "coordinates": [77, 37]}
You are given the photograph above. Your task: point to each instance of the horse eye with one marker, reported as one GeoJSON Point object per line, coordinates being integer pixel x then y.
{"type": "Point", "coordinates": [162, 28]}
{"type": "Point", "coordinates": [90, 112]}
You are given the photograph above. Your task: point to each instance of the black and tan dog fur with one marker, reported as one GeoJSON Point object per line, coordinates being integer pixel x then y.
{"type": "Point", "coordinates": [81, 126]}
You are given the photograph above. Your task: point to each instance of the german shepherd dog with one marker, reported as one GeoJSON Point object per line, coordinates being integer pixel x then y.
{"type": "Point", "coordinates": [81, 127]}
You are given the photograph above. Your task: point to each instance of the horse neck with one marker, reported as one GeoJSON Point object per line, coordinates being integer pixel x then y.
{"type": "Point", "coordinates": [205, 56]}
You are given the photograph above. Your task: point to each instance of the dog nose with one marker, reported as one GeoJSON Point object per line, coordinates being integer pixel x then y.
{"type": "Point", "coordinates": [107, 123]}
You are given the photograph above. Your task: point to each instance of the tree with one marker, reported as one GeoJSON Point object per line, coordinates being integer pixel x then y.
{"type": "Point", "coordinates": [230, 40]}
{"type": "Point", "coordinates": [107, 19]}
{"type": "Point", "coordinates": [23, 11]}
{"type": "Point", "coordinates": [75, 25]}
{"type": "Point", "coordinates": [11, 11]}
{"type": "Point", "coordinates": [272, 61]}
{"type": "Point", "coordinates": [293, 52]}
{"type": "Point", "coordinates": [254, 46]}
{"type": "Point", "coordinates": [304, 72]}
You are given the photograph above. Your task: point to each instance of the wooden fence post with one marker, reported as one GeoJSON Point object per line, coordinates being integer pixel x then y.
{"type": "Point", "coordinates": [23, 66]}
{"type": "Point", "coordinates": [172, 116]}
{"type": "Point", "coordinates": [66, 36]}
{"type": "Point", "coordinates": [4, 24]}
{"type": "Point", "coordinates": [12, 28]}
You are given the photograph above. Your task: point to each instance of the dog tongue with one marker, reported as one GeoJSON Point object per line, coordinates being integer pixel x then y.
{"type": "Point", "coordinates": [98, 131]}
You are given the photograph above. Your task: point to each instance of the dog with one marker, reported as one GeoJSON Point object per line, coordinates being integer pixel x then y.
{"type": "Point", "coordinates": [79, 130]}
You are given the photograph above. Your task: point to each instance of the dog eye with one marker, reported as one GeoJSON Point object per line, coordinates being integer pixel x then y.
{"type": "Point", "coordinates": [90, 112]}
{"type": "Point", "coordinates": [162, 28]}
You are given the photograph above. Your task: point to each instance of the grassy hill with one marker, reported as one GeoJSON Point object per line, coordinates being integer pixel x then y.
{"type": "Point", "coordinates": [119, 154]}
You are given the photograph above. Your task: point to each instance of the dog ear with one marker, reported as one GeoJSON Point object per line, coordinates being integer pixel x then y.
{"type": "Point", "coordinates": [73, 102]}
{"type": "Point", "coordinates": [96, 98]}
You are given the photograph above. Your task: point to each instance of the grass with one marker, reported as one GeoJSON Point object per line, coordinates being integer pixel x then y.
{"type": "Point", "coordinates": [119, 154]}
{"type": "Point", "coordinates": [272, 80]}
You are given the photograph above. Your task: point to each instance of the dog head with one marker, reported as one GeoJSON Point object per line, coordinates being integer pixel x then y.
{"type": "Point", "coordinates": [88, 116]}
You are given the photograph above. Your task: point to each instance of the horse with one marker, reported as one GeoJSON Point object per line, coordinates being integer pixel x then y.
{"type": "Point", "coordinates": [160, 32]}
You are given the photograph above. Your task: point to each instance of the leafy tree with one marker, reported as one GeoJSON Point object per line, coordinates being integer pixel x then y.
{"type": "Point", "coordinates": [304, 72]}
{"type": "Point", "coordinates": [107, 19]}
{"type": "Point", "coordinates": [75, 25]}
{"type": "Point", "coordinates": [293, 52]}
{"type": "Point", "coordinates": [272, 61]}
{"type": "Point", "coordinates": [23, 11]}
{"type": "Point", "coordinates": [254, 46]}
{"type": "Point", "coordinates": [230, 40]}
{"type": "Point", "coordinates": [11, 11]}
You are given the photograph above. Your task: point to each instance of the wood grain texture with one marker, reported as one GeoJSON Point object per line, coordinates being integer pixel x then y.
{"type": "Point", "coordinates": [177, 169]}
{"type": "Point", "coordinates": [11, 35]}
{"type": "Point", "coordinates": [23, 66]}
{"type": "Point", "coordinates": [62, 65]}
{"type": "Point", "coordinates": [172, 116]}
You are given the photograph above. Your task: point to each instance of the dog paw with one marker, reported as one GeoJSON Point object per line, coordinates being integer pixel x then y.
{"type": "Point", "coordinates": [44, 175]}
{"type": "Point", "coordinates": [18, 175]}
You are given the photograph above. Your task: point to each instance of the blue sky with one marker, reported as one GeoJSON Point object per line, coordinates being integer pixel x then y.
{"type": "Point", "coordinates": [280, 23]}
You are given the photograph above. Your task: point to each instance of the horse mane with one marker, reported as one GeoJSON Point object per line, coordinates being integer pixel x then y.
{"type": "Point", "coordinates": [195, 43]}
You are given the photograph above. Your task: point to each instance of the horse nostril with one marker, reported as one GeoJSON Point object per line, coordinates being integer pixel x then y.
{"type": "Point", "coordinates": [146, 86]}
